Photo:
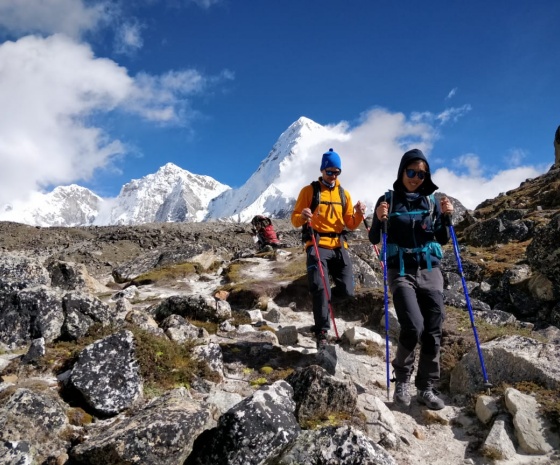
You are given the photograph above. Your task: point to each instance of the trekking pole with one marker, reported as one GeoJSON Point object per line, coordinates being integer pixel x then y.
{"type": "Point", "coordinates": [386, 298]}
{"type": "Point", "coordinates": [487, 384]}
{"type": "Point", "coordinates": [320, 266]}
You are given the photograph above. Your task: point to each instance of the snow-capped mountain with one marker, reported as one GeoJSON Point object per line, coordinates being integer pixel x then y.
{"type": "Point", "coordinates": [173, 194]}
{"type": "Point", "coordinates": [65, 206]}
{"type": "Point", "coordinates": [261, 194]}
{"type": "Point", "coordinates": [170, 195]}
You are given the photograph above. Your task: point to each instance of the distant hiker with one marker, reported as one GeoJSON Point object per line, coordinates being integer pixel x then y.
{"type": "Point", "coordinates": [416, 230]}
{"type": "Point", "coordinates": [264, 234]}
{"type": "Point", "coordinates": [327, 209]}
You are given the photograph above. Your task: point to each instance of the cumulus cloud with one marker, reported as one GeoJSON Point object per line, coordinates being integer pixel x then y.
{"type": "Point", "coordinates": [51, 87]}
{"type": "Point", "coordinates": [47, 17]}
{"type": "Point", "coordinates": [371, 153]}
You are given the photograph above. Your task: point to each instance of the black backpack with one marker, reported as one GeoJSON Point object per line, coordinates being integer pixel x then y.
{"type": "Point", "coordinates": [315, 201]}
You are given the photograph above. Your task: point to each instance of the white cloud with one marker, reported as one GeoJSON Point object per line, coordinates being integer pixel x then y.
{"type": "Point", "coordinates": [451, 93]}
{"type": "Point", "coordinates": [453, 114]}
{"type": "Point", "coordinates": [70, 17]}
{"type": "Point", "coordinates": [473, 190]}
{"type": "Point", "coordinates": [515, 157]}
{"type": "Point", "coordinates": [371, 153]}
{"type": "Point", "coordinates": [471, 162]}
{"type": "Point", "coordinates": [49, 89]}
{"type": "Point", "coordinates": [128, 38]}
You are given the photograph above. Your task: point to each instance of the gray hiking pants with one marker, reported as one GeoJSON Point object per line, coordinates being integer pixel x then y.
{"type": "Point", "coordinates": [337, 264]}
{"type": "Point", "coordinates": [418, 300]}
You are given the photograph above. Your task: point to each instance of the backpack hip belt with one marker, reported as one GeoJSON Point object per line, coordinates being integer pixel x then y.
{"type": "Point", "coordinates": [430, 247]}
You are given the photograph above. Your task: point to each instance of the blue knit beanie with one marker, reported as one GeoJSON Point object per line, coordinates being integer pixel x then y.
{"type": "Point", "coordinates": [331, 159]}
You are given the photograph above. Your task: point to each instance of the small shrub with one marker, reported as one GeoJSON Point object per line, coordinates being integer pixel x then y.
{"type": "Point", "coordinates": [258, 382]}
{"type": "Point", "coordinates": [266, 370]}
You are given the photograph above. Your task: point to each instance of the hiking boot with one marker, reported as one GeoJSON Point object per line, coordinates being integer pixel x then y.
{"type": "Point", "coordinates": [321, 340]}
{"type": "Point", "coordinates": [430, 399]}
{"type": "Point", "coordinates": [401, 395]}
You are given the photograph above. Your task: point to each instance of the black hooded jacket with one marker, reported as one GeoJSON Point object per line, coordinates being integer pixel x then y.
{"type": "Point", "coordinates": [411, 231]}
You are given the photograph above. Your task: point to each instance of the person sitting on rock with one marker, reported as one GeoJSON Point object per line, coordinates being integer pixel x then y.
{"type": "Point", "coordinates": [264, 234]}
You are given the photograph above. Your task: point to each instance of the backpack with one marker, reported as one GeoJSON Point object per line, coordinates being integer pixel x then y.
{"type": "Point", "coordinates": [315, 201]}
{"type": "Point", "coordinates": [430, 247]}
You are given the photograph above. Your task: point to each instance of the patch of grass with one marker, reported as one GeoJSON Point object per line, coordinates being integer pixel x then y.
{"type": "Point", "coordinates": [374, 350]}
{"type": "Point", "coordinates": [164, 363]}
{"type": "Point", "coordinates": [240, 319]}
{"type": "Point", "coordinates": [266, 328]}
{"type": "Point", "coordinates": [548, 399]}
{"type": "Point", "coordinates": [328, 419]}
{"type": "Point", "coordinates": [291, 270]}
{"type": "Point", "coordinates": [209, 326]}
{"type": "Point", "coordinates": [168, 273]}
{"type": "Point", "coordinates": [265, 375]}
{"type": "Point", "coordinates": [78, 417]}
{"type": "Point", "coordinates": [500, 257]}
{"type": "Point", "coordinates": [234, 272]}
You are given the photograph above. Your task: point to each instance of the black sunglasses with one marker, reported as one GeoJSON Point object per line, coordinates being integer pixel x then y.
{"type": "Point", "coordinates": [411, 173]}
{"type": "Point", "coordinates": [332, 173]}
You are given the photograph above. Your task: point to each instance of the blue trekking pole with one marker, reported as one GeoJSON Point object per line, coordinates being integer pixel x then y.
{"type": "Point", "coordinates": [386, 296]}
{"type": "Point", "coordinates": [487, 384]}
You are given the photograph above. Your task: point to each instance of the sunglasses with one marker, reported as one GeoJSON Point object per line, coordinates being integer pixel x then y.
{"type": "Point", "coordinates": [332, 173]}
{"type": "Point", "coordinates": [410, 173]}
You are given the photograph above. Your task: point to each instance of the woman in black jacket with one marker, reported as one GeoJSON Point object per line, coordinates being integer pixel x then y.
{"type": "Point", "coordinates": [417, 227]}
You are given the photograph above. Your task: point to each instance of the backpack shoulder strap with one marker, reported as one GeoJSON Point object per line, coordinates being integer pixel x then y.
{"type": "Point", "coordinates": [342, 197]}
{"type": "Point", "coordinates": [431, 206]}
{"type": "Point", "coordinates": [316, 196]}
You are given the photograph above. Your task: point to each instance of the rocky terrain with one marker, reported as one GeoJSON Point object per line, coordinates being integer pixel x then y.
{"type": "Point", "coordinates": [179, 343]}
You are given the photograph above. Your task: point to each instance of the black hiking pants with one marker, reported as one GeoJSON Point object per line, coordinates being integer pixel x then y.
{"type": "Point", "coordinates": [418, 300]}
{"type": "Point", "coordinates": [337, 264]}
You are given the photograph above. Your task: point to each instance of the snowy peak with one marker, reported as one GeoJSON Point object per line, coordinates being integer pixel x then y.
{"type": "Point", "coordinates": [261, 194]}
{"type": "Point", "coordinates": [170, 194]}
{"type": "Point", "coordinates": [65, 206]}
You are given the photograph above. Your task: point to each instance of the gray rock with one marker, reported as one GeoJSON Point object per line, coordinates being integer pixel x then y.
{"type": "Point", "coordinates": [251, 431]}
{"type": "Point", "coordinates": [107, 374]}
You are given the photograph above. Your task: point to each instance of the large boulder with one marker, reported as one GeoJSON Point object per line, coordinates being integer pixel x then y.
{"type": "Point", "coordinates": [508, 359]}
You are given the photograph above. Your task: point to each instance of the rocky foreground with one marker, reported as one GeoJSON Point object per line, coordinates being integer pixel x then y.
{"type": "Point", "coordinates": [180, 344]}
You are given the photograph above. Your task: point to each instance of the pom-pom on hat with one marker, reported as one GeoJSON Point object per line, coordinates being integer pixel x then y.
{"type": "Point", "coordinates": [331, 159]}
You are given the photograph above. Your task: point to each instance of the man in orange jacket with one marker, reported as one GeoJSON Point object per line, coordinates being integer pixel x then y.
{"type": "Point", "coordinates": [332, 214]}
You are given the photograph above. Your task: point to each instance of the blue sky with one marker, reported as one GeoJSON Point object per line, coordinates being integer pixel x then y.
{"type": "Point", "coordinates": [98, 93]}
